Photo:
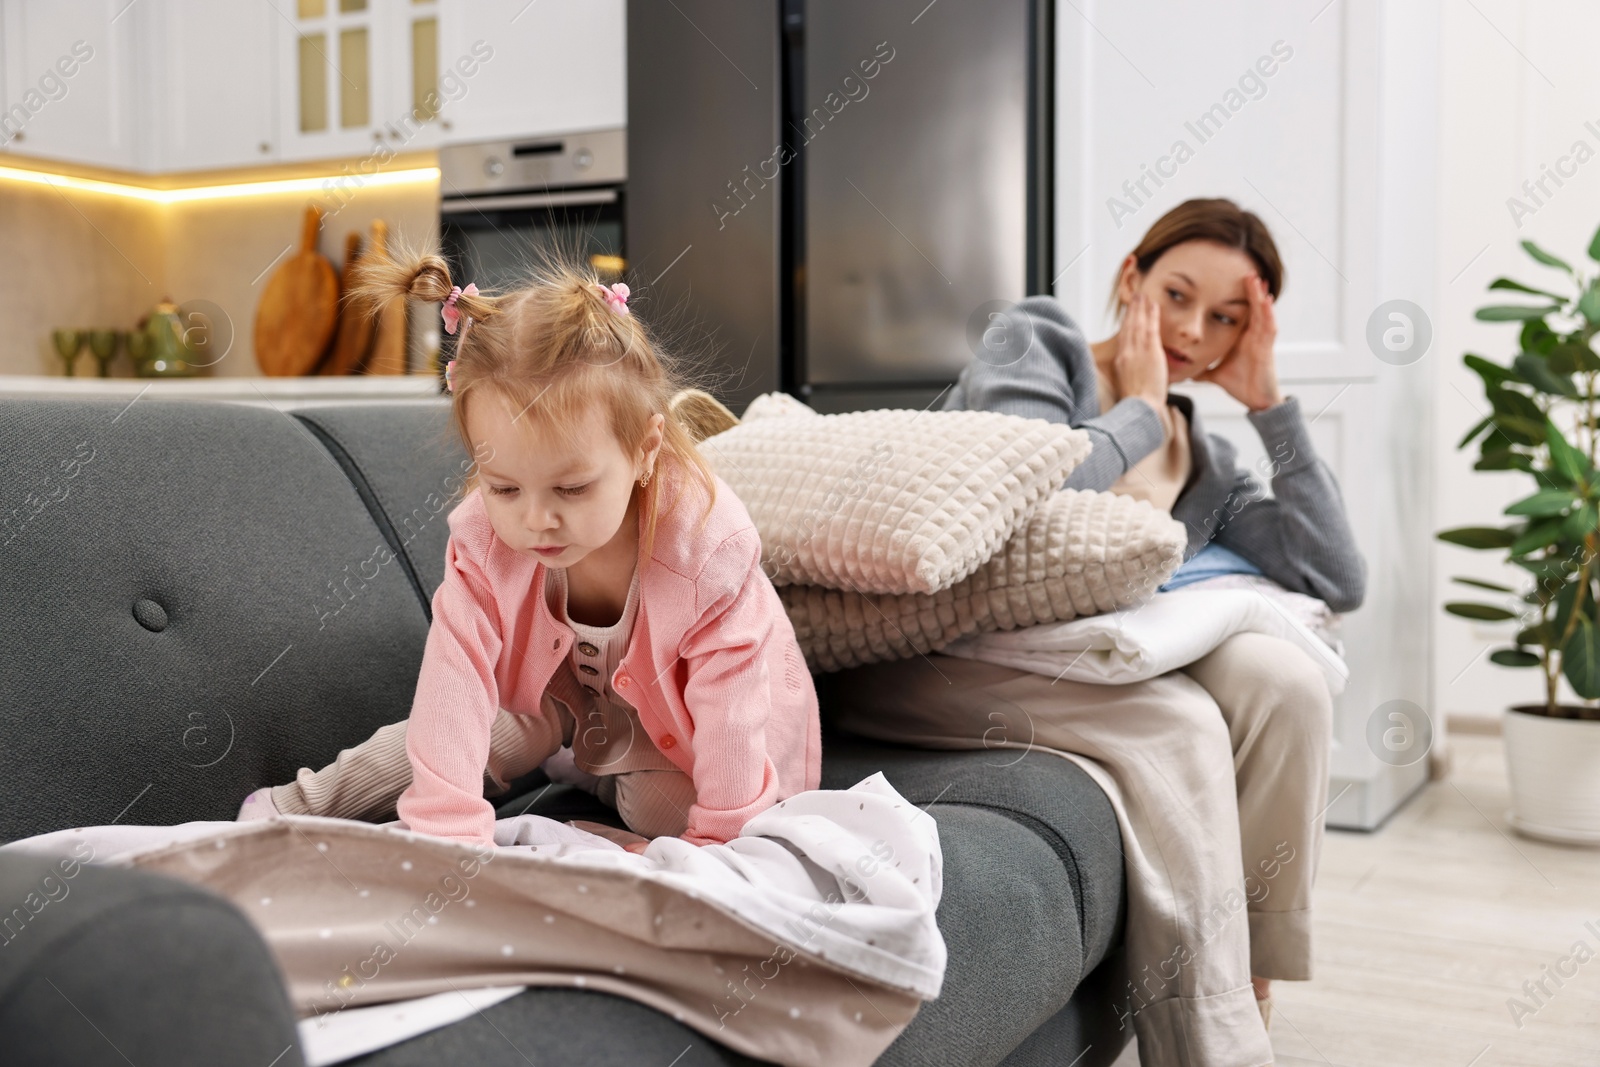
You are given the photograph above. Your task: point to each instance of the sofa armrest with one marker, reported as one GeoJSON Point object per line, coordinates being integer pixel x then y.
{"type": "Point", "coordinates": [114, 965]}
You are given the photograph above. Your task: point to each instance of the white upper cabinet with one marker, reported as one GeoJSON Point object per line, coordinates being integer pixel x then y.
{"type": "Point", "coordinates": [181, 85]}
{"type": "Point", "coordinates": [519, 68]}
{"type": "Point", "coordinates": [212, 93]}
{"type": "Point", "coordinates": [358, 76]}
{"type": "Point", "coordinates": [69, 81]}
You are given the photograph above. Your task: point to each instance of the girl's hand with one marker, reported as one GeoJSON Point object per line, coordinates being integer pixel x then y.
{"type": "Point", "coordinates": [1249, 373]}
{"type": "Point", "coordinates": [1141, 362]}
{"type": "Point", "coordinates": [637, 846]}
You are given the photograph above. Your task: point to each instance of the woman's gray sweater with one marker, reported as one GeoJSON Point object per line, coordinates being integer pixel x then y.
{"type": "Point", "coordinates": [1299, 537]}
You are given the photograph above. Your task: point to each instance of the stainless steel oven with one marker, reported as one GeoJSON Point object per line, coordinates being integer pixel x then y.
{"type": "Point", "coordinates": [502, 200]}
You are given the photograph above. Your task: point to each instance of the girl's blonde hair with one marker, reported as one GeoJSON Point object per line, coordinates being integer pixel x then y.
{"type": "Point", "coordinates": [551, 346]}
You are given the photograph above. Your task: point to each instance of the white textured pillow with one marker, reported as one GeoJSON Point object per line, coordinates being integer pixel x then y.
{"type": "Point", "coordinates": [1081, 553]}
{"type": "Point", "coordinates": [894, 500]}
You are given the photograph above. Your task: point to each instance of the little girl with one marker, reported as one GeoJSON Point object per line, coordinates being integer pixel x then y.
{"type": "Point", "coordinates": [583, 602]}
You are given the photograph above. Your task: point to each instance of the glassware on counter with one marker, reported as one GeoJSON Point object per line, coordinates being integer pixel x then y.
{"type": "Point", "coordinates": [68, 344]}
{"type": "Point", "coordinates": [104, 345]}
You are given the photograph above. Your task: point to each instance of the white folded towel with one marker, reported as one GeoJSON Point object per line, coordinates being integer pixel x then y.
{"type": "Point", "coordinates": [1166, 632]}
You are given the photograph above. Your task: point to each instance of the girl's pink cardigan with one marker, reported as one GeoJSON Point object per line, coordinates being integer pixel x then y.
{"type": "Point", "coordinates": [713, 668]}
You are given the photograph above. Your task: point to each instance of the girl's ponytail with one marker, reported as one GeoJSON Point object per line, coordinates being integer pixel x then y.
{"type": "Point", "coordinates": [378, 280]}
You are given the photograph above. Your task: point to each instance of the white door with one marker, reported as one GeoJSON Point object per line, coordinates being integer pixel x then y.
{"type": "Point", "coordinates": [1318, 118]}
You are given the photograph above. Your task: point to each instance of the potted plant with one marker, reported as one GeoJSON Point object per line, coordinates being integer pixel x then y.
{"type": "Point", "coordinates": [1544, 422]}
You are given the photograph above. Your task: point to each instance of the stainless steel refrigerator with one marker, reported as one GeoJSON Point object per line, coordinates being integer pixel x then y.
{"type": "Point", "coordinates": [827, 197]}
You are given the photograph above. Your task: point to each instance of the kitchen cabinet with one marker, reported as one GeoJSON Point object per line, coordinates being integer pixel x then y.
{"type": "Point", "coordinates": [357, 76]}
{"type": "Point", "coordinates": [212, 95]}
{"type": "Point", "coordinates": [188, 85]}
{"type": "Point", "coordinates": [69, 81]}
{"type": "Point", "coordinates": [551, 66]}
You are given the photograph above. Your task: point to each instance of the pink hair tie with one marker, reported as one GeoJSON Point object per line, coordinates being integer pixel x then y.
{"type": "Point", "coordinates": [450, 376]}
{"type": "Point", "coordinates": [616, 296]}
{"type": "Point", "coordinates": [449, 313]}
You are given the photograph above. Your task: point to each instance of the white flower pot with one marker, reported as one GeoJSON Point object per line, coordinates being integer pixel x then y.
{"type": "Point", "coordinates": [1554, 769]}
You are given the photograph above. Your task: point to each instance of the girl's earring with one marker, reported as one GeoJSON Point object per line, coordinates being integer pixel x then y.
{"type": "Point", "coordinates": [644, 480]}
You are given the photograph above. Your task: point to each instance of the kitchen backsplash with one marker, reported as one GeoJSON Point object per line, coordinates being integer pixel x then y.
{"type": "Point", "coordinates": [86, 260]}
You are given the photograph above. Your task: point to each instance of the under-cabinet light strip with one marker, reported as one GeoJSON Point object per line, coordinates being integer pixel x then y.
{"type": "Point", "coordinates": [329, 183]}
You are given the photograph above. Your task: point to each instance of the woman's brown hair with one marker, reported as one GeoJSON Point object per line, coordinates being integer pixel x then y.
{"type": "Point", "coordinates": [550, 346]}
{"type": "Point", "coordinates": [1219, 221]}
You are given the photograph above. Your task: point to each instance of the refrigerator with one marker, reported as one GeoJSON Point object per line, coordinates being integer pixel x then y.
{"type": "Point", "coordinates": [832, 198]}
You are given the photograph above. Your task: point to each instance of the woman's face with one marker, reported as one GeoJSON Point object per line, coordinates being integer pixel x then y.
{"type": "Point", "coordinates": [538, 494]}
{"type": "Point", "coordinates": [1199, 287]}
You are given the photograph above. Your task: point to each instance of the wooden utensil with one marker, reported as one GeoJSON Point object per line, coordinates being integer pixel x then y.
{"type": "Point", "coordinates": [354, 337]}
{"type": "Point", "coordinates": [298, 308]}
{"type": "Point", "coordinates": [389, 338]}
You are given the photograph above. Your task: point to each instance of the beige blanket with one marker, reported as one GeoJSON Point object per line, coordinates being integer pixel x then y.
{"type": "Point", "coordinates": [808, 940]}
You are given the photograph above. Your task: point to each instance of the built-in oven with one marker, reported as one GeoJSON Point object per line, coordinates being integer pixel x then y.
{"type": "Point", "coordinates": [501, 202]}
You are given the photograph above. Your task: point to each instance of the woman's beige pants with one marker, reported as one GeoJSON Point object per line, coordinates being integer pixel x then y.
{"type": "Point", "coordinates": [1219, 776]}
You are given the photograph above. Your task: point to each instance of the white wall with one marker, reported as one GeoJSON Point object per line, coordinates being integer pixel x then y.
{"type": "Point", "coordinates": [1518, 85]}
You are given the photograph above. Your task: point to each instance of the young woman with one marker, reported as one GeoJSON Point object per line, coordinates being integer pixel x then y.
{"type": "Point", "coordinates": [1219, 773]}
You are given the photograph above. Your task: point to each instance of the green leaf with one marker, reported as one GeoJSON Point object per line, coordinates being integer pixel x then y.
{"type": "Point", "coordinates": [1545, 257]}
{"type": "Point", "coordinates": [1483, 424]}
{"type": "Point", "coordinates": [1479, 536]}
{"type": "Point", "coordinates": [1580, 660]}
{"type": "Point", "coordinates": [1512, 312]}
{"type": "Point", "coordinates": [1520, 431]}
{"type": "Point", "coordinates": [1507, 283]}
{"type": "Point", "coordinates": [1486, 612]}
{"type": "Point", "coordinates": [1537, 337]}
{"type": "Point", "coordinates": [1544, 502]}
{"type": "Point", "coordinates": [1511, 402]}
{"type": "Point", "coordinates": [1493, 374]}
{"type": "Point", "coordinates": [1537, 535]}
{"type": "Point", "coordinates": [1583, 355]}
{"type": "Point", "coordinates": [1568, 461]}
{"type": "Point", "coordinates": [1589, 303]}
{"type": "Point", "coordinates": [1583, 521]}
{"type": "Point", "coordinates": [1503, 459]}
{"type": "Point", "coordinates": [1538, 374]}
{"type": "Point", "coordinates": [1564, 601]}
{"type": "Point", "coordinates": [1547, 569]}
{"type": "Point", "coordinates": [1533, 635]}
{"type": "Point", "coordinates": [1479, 583]}
{"type": "Point", "coordinates": [1515, 657]}
{"type": "Point", "coordinates": [1594, 246]}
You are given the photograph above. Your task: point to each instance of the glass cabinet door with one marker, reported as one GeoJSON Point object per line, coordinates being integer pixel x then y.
{"type": "Point", "coordinates": [358, 76]}
{"type": "Point", "coordinates": [329, 76]}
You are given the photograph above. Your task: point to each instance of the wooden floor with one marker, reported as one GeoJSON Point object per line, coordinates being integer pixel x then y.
{"type": "Point", "coordinates": [1426, 928]}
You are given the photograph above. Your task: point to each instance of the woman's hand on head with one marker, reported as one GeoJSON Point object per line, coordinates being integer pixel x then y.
{"type": "Point", "coordinates": [1249, 373]}
{"type": "Point", "coordinates": [1141, 363]}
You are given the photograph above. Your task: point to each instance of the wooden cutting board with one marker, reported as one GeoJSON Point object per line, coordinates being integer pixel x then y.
{"type": "Point", "coordinates": [354, 337]}
{"type": "Point", "coordinates": [389, 335]}
{"type": "Point", "coordinates": [298, 309]}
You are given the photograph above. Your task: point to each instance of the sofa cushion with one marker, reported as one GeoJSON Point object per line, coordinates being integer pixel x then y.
{"type": "Point", "coordinates": [1078, 553]}
{"type": "Point", "coordinates": [1049, 795]}
{"type": "Point", "coordinates": [195, 604]}
{"type": "Point", "coordinates": [893, 500]}
{"type": "Point", "coordinates": [404, 459]}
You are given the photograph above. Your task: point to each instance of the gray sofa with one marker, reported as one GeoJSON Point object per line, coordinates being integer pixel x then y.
{"type": "Point", "coordinates": [193, 607]}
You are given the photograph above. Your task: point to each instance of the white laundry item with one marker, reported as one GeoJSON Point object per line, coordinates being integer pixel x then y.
{"type": "Point", "coordinates": [1166, 632]}
{"type": "Point", "coordinates": [1315, 614]}
{"type": "Point", "coordinates": [824, 894]}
